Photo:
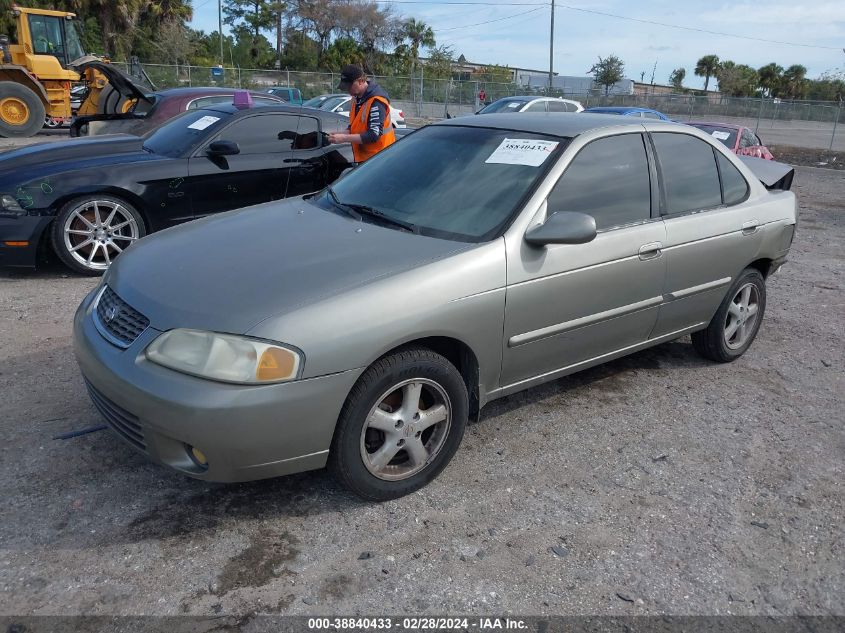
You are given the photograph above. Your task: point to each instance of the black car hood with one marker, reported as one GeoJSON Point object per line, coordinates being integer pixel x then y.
{"type": "Point", "coordinates": [79, 149]}
{"type": "Point", "coordinates": [230, 271]}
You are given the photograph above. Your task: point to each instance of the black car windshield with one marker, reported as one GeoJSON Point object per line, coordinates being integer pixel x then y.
{"type": "Point", "coordinates": [725, 134]}
{"type": "Point", "coordinates": [504, 105]}
{"type": "Point", "coordinates": [181, 133]}
{"type": "Point", "coordinates": [460, 183]}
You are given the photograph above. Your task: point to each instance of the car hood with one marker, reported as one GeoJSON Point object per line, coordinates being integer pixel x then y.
{"type": "Point", "coordinates": [230, 271]}
{"type": "Point", "coordinates": [45, 158]}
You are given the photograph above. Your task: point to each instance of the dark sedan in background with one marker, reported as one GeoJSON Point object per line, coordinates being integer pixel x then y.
{"type": "Point", "coordinates": [162, 106]}
{"type": "Point", "coordinates": [89, 199]}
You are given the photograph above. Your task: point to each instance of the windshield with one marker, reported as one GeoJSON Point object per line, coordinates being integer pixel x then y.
{"type": "Point", "coordinates": [725, 134]}
{"type": "Point", "coordinates": [180, 134]}
{"type": "Point", "coordinates": [504, 105]}
{"type": "Point", "coordinates": [74, 46]}
{"type": "Point", "coordinates": [332, 102]}
{"type": "Point", "coordinates": [313, 103]}
{"type": "Point", "coordinates": [460, 183]}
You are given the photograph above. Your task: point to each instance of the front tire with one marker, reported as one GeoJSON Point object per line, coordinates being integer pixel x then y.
{"type": "Point", "coordinates": [737, 321]}
{"type": "Point", "coordinates": [22, 113]}
{"type": "Point", "coordinates": [91, 231]}
{"type": "Point", "coordinates": [400, 426]}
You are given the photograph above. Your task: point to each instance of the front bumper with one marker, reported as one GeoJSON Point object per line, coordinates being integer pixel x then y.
{"type": "Point", "coordinates": [246, 432]}
{"type": "Point", "coordinates": [26, 228]}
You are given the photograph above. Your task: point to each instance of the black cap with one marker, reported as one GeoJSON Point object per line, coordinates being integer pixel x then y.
{"type": "Point", "coordinates": [348, 76]}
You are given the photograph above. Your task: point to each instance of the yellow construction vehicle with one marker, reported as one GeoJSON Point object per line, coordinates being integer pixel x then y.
{"type": "Point", "coordinates": [37, 72]}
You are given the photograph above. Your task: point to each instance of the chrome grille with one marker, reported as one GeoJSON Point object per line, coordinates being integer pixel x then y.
{"type": "Point", "coordinates": [118, 322]}
{"type": "Point", "coordinates": [127, 425]}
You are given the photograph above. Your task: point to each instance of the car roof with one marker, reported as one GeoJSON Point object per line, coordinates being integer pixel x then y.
{"type": "Point", "coordinates": [228, 108]}
{"type": "Point", "coordinates": [200, 91]}
{"type": "Point", "coordinates": [619, 109]}
{"type": "Point", "coordinates": [732, 126]}
{"type": "Point", "coordinates": [567, 124]}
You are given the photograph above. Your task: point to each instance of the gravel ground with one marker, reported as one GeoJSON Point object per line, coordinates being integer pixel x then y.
{"type": "Point", "coordinates": [656, 484]}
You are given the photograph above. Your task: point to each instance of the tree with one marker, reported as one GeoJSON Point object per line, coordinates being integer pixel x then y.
{"type": "Point", "coordinates": [300, 51]}
{"type": "Point", "coordinates": [676, 78]}
{"type": "Point", "coordinates": [439, 64]}
{"type": "Point", "coordinates": [414, 34]}
{"type": "Point", "coordinates": [608, 71]}
{"type": "Point", "coordinates": [770, 78]}
{"type": "Point", "coordinates": [343, 51]}
{"type": "Point", "coordinates": [794, 81]}
{"type": "Point", "coordinates": [737, 80]}
{"type": "Point", "coordinates": [249, 16]}
{"type": "Point", "coordinates": [706, 67]}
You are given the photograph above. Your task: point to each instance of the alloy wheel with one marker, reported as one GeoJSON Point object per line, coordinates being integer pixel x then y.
{"type": "Point", "coordinates": [742, 316]}
{"type": "Point", "coordinates": [97, 231]}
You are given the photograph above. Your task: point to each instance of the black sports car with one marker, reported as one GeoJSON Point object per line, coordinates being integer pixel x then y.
{"type": "Point", "coordinates": [89, 199]}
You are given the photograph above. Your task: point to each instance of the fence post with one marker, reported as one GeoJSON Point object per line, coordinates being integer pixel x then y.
{"type": "Point", "coordinates": [835, 121]}
{"type": "Point", "coordinates": [759, 114]}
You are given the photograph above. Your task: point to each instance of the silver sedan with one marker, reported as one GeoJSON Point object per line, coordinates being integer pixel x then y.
{"type": "Point", "coordinates": [359, 328]}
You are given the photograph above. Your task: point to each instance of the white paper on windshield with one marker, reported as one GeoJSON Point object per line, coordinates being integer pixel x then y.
{"type": "Point", "coordinates": [722, 136]}
{"type": "Point", "coordinates": [522, 151]}
{"type": "Point", "coordinates": [204, 122]}
{"type": "Point", "coordinates": [514, 104]}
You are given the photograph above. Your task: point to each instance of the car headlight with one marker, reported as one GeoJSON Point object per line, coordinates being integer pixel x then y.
{"type": "Point", "coordinates": [225, 357]}
{"type": "Point", "coordinates": [10, 207]}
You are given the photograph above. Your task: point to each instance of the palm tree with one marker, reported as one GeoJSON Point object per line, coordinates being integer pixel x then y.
{"type": "Point", "coordinates": [706, 67]}
{"type": "Point", "coordinates": [794, 80]}
{"type": "Point", "coordinates": [117, 18]}
{"type": "Point", "coordinates": [413, 34]}
{"type": "Point", "coordinates": [770, 78]}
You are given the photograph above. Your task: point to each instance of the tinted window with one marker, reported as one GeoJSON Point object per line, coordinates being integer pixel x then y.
{"type": "Point", "coordinates": [439, 179]}
{"type": "Point", "coordinates": [272, 133]}
{"type": "Point", "coordinates": [557, 106]}
{"type": "Point", "coordinates": [538, 106]}
{"type": "Point", "coordinates": [571, 107]}
{"type": "Point", "coordinates": [179, 134]}
{"type": "Point", "coordinates": [203, 102]}
{"type": "Point", "coordinates": [332, 102]}
{"type": "Point", "coordinates": [609, 180]}
{"type": "Point", "coordinates": [734, 187]}
{"type": "Point", "coordinates": [726, 135]}
{"type": "Point", "coordinates": [690, 179]}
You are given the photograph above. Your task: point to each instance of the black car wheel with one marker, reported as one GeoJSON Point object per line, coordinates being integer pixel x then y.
{"type": "Point", "coordinates": [400, 425]}
{"type": "Point", "coordinates": [737, 321]}
{"type": "Point", "coordinates": [22, 113]}
{"type": "Point", "coordinates": [90, 232]}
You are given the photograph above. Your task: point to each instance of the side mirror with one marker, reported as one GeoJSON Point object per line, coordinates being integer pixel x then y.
{"type": "Point", "coordinates": [563, 227]}
{"type": "Point", "coordinates": [223, 148]}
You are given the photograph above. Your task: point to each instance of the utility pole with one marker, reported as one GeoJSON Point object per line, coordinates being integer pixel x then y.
{"type": "Point", "coordinates": [552, 47]}
{"type": "Point", "coordinates": [220, 27]}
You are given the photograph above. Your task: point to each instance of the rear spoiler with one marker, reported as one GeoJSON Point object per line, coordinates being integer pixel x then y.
{"type": "Point", "coordinates": [774, 176]}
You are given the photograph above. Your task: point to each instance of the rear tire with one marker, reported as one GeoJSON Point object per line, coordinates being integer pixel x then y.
{"type": "Point", "coordinates": [21, 112]}
{"type": "Point", "coordinates": [400, 426]}
{"type": "Point", "coordinates": [735, 325]}
{"type": "Point", "coordinates": [91, 231]}
{"type": "Point", "coordinates": [112, 102]}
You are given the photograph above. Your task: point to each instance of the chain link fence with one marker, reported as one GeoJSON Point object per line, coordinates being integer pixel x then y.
{"type": "Point", "coordinates": [809, 124]}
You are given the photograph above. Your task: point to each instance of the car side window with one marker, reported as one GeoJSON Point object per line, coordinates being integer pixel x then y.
{"type": "Point", "coordinates": [608, 179]}
{"type": "Point", "coordinates": [557, 106]}
{"type": "Point", "coordinates": [537, 106]}
{"type": "Point", "coordinates": [688, 172]}
{"type": "Point", "coordinates": [571, 107]}
{"type": "Point", "coordinates": [273, 133]}
{"type": "Point", "coordinates": [203, 102]}
{"type": "Point", "coordinates": [734, 186]}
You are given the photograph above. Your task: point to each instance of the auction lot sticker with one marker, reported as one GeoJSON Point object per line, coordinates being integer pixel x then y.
{"type": "Point", "coordinates": [204, 122]}
{"type": "Point", "coordinates": [522, 151]}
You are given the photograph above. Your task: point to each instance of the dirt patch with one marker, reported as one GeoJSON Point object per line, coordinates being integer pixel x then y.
{"type": "Point", "coordinates": [259, 564]}
{"type": "Point", "coordinates": [809, 157]}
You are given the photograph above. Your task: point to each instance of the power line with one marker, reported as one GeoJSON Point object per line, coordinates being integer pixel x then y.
{"type": "Point", "coordinates": [697, 30]}
{"type": "Point", "coordinates": [509, 17]}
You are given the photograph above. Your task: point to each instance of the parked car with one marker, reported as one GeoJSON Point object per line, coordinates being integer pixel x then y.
{"type": "Point", "coordinates": [314, 102]}
{"type": "Point", "coordinates": [342, 104]}
{"type": "Point", "coordinates": [164, 105]}
{"type": "Point", "coordinates": [290, 95]}
{"type": "Point", "coordinates": [737, 138]}
{"type": "Point", "coordinates": [89, 199]}
{"type": "Point", "coordinates": [362, 326]}
{"type": "Point", "coordinates": [643, 113]}
{"type": "Point", "coordinates": [531, 104]}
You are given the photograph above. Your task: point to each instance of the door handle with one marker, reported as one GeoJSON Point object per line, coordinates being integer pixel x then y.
{"type": "Point", "coordinates": [651, 250]}
{"type": "Point", "coordinates": [750, 227]}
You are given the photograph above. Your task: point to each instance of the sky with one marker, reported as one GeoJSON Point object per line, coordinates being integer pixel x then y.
{"type": "Point", "coordinates": [518, 36]}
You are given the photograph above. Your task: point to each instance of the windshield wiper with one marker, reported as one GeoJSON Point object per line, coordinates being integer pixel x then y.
{"type": "Point", "coordinates": [344, 207]}
{"type": "Point", "coordinates": [381, 215]}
